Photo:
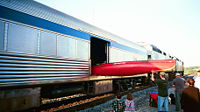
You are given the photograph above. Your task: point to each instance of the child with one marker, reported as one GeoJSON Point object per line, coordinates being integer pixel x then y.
{"type": "Point", "coordinates": [118, 105]}
{"type": "Point", "coordinates": [129, 103]}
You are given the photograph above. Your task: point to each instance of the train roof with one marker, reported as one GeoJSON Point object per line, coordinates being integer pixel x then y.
{"type": "Point", "coordinates": [47, 13]}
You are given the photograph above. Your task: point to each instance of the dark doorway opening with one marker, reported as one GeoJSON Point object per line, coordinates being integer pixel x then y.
{"type": "Point", "coordinates": [99, 51]}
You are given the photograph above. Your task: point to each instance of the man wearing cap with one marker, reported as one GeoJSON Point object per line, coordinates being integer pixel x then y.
{"type": "Point", "coordinates": [197, 80]}
{"type": "Point", "coordinates": [178, 83]}
{"type": "Point", "coordinates": [162, 84]}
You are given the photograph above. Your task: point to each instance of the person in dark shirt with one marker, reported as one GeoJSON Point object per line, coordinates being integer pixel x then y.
{"type": "Point", "coordinates": [178, 83]}
{"type": "Point", "coordinates": [190, 98]}
{"type": "Point", "coordinates": [162, 84]}
{"type": "Point", "coordinates": [118, 105]}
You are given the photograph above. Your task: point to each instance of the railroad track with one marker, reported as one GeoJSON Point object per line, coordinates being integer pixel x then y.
{"type": "Point", "coordinates": [81, 102]}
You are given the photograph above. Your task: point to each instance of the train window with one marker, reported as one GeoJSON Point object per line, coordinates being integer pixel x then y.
{"type": "Point", "coordinates": [149, 57]}
{"type": "Point", "coordinates": [72, 48]}
{"type": "Point", "coordinates": [156, 49]}
{"type": "Point", "coordinates": [120, 55]}
{"type": "Point", "coordinates": [128, 56]}
{"type": "Point", "coordinates": [66, 47]}
{"type": "Point", "coordinates": [47, 43]}
{"type": "Point", "coordinates": [1, 35]}
{"type": "Point", "coordinates": [63, 48]}
{"type": "Point", "coordinates": [82, 49]}
{"type": "Point", "coordinates": [113, 55]}
{"type": "Point", "coordinates": [22, 39]}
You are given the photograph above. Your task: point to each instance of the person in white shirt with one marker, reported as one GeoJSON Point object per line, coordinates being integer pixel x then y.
{"type": "Point", "coordinates": [197, 80]}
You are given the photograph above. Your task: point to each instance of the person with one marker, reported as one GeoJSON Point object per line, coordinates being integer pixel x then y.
{"type": "Point", "coordinates": [153, 99]}
{"type": "Point", "coordinates": [129, 104]}
{"type": "Point", "coordinates": [178, 83]}
{"type": "Point", "coordinates": [190, 98]}
{"type": "Point", "coordinates": [162, 84]}
{"type": "Point", "coordinates": [118, 105]}
{"type": "Point", "coordinates": [197, 80]}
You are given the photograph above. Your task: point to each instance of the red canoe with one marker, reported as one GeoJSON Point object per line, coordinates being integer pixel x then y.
{"type": "Point", "coordinates": [132, 67]}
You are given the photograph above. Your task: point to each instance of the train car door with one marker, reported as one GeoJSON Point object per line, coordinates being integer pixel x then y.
{"type": "Point", "coordinates": [99, 51]}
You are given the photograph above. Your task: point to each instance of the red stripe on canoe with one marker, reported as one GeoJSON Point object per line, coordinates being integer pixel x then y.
{"type": "Point", "coordinates": [132, 67]}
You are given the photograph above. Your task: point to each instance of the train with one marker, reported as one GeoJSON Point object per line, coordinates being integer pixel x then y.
{"type": "Point", "coordinates": [45, 53]}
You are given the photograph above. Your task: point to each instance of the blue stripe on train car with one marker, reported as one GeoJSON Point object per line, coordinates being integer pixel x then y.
{"type": "Point", "coordinates": [128, 48]}
{"type": "Point", "coordinates": [41, 23]}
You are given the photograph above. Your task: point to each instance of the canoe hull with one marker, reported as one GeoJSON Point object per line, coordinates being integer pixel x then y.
{"type": "Point", "coordinates": [132, 67]}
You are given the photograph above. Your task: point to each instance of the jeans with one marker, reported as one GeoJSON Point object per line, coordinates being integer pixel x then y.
{"type": "Point", "coordinates": [178, 100]}
{"type": "Point", "coordinates": [161, 101]}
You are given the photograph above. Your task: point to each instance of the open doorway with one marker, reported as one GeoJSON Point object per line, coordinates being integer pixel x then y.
{"type": "Point", "coordinates": [99, 51]}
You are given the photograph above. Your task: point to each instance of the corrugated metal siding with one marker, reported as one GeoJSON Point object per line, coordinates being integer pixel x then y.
{"type": "Point", "coordinates": [20, 70]}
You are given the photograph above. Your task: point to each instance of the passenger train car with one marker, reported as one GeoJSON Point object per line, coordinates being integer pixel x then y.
{"type": "Point", "coordinates": [46, 53]}
{"type": "Point", "coordinates": [154, 53]}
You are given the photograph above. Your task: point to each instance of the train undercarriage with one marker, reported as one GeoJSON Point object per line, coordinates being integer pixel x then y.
{"type": "Point", "coordinates": [23, 98]}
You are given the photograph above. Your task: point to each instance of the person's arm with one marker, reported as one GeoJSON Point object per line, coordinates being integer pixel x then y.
{"type": "Point", "coordinates": [152, 76]}
{"type": "Point", "coordinates": [185, 82]}
{"type": "Point", "coordinates": [173, 84]}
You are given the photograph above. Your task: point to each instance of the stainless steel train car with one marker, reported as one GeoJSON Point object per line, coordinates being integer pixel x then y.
{"type": "Point", "coordinates": [154, 53]}
{"type": "Point", "coordinates": [159, 54]}
{"type": "Point", "coordinates": [46, 53]}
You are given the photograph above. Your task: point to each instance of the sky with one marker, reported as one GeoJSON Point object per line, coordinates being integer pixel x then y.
{"type": "Point", "coordinates": [171, 25]}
